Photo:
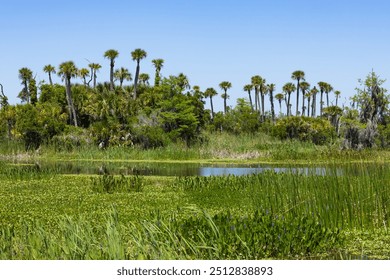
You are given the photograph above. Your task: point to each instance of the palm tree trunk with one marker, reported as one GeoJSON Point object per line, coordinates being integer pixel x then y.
{"type": "Point", "coordinates": [250, 99]}
{"type": "Point", "coordinates": [271, 99]}
{"type": "Point", "coordinates": [50, 80]}
{"type": "Point", "coordinates": [313, 106]}
{"type": "Point", "coordinates": [262, 108]}
{"type": "Point", "coordinates": [303, 104]}
{"type": "Point", "coordinates": [321, 103]}
{"type": "Point", "coordinates": [256, 98]}
{"type": "Point", "coordinates": [297, 97]}
{"type": "Point", "coordinates": [112, 75]}
{"type": "Point", "coordinates": [136, 80]}
{"type": "Point", "coordinates": [212, 107]}
{"type": "Point", "coordinates": [308, 106]}
{"type": "Point", "coordinates": [72, 110]}
{"type": "Point", "coordinates": [327, 99]}
{"type": "Point", "coordinates": [224, 102]}
{"type": "Point", "coordinates": [288, 104]}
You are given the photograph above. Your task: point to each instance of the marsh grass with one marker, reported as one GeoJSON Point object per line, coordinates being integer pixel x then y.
{"type": "Point", "coordinates": [110, 183]}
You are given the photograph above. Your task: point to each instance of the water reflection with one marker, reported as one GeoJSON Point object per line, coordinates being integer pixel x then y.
{"type": "Point", "coordinates": [179, 169]}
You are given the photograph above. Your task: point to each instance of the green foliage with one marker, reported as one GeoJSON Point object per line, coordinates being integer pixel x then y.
{"type": "Point", "coordinates": [111, 184]}
{"type": "Point", "coordinates": [318, 131]}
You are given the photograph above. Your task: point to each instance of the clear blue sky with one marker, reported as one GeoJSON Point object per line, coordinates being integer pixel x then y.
{"type": "Point", "coordinates": [335, 41]}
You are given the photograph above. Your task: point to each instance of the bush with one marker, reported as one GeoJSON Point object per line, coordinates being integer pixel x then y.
{"type": "Point", "coordinates": [318, 131]}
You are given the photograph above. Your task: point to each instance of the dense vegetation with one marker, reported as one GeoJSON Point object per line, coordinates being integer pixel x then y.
{"type": "Point", "coordinates": [46, 215]}
{"type": "Point", "coordinates": [170, 110]}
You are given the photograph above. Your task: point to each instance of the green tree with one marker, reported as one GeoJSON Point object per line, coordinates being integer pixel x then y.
{"type": "Point", "coordinates": [49, 69]}
{"type": "Point", "coordinates": [94, 69]}
{"type": "Point", "coordinates": [248, 88]}
{"type": "Point", "coordinates": [122, 74]}
{"type": "Point", "coordinates": [68, 71]}
{"type": "Point", "coordinates": [288, 88]}
{"type": "Point", "coordinates": [256, 82]}
{"type": "Point", "coordinates": [271, 89]}
{"type": "Point", "coordinates": [304, 86]}
{"type": "Point", "coordinates": [263, 91]}
{"type": "Point", "coordinates": [158, 64]}
{"type": "Point", "coordinates": [280, 97]}
{"type": "Point", "coordinates": [25, 75]}
{"type": "Point", "coordinates": [32, 88]}
{"type": "Point", "coordinates": [313, 93]}
{"type": "Point", "coordinates": [137, 55]}
{"type": "Point", "coordinates": [84, 73]}
{"type": "Point", "coordinates": [323, 87]}
{"type": "Point", "coordinates": [225, 85]}
{"type": "Point", "coordinates": [210, 93]}
{"type": "Point", "coordinates": [111, 55]}
{"type": "Point", "coordinates": [298, 76]}
{"type": "Point", "coordinates": [328, 89]}
{"type": "Point", "coordinates": [337, 94]}
{"type": "Point", "coordinates": [144, 78]}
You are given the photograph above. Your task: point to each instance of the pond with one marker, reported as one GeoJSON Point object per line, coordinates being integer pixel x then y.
{"type": "Point", "coordinates": [178, 169]}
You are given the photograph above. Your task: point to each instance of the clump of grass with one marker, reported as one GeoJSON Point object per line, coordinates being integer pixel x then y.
{"type": "Point", "coordinates": [114, 184]}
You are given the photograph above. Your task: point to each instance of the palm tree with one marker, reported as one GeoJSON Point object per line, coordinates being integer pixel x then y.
{"type": "Point", "coordinates": [144, 78]}
{"type": "Point", "coordinates": [304, 86]}
{"type": "Point", "coordinates": [122, 74]}
{"type": "Point", "coordinates": [137, 55]}
{"type": "Point", "coordinates": [263, 91]}
{"type": "Point", "coordinates": [337, 94]}
{"type": "Point", "coordinates": [314, 93]}
{"type": "Point", "coordinates": [225, 85]}
{"type": "Point", "coordinates": [328, 89]}
{"type": "Point", "coordinates": [210, 92]}
{"type": "Point", "coordinates": [256, 82]}
{"type": "Point", "coordinates": [94, 68]}
{"type": "Point", "coordinates": [280, 97]}
{"type": "Point", "coordinates": [111, 55]}
{"type": "Point", "coordinates": [49, 69]}
{"type": "Point", "coordinates": [248, 88]}
{"type": "Point", "coordinates": [158, 64]}
{"type": "Point", "coordinates": [298, 75]}
{"type": "Point", "coordinates": [182, 82]}
{"type": "Point", "coordinates": [322, 86]}
{"type": "Point", "coordinates": [25, 74]}
{"type": "Point", "coordinates": [68, 70]}
{"type": "Point", "coordinates": [288, 88]}
{"type": "Point", "coordinates": [84, 73]}
{"type": "Point", "coordinates": [271, 89]}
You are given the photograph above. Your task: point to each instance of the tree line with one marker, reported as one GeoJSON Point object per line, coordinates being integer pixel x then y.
{"type": "Point", "coordinates": [170, 109]}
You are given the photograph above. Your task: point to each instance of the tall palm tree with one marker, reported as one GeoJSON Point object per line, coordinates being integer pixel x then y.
{"type": "Point", "coordinates": [288, 88]}
{"type": "Point", "coordinates": [111, 55]}
{"type": "Point", "coordinates": [271, 89]}
{"type": "Point", "coordinates": [137, 55]}
{"type": "Point", "coordinates": [337, 94]}
{"type": "Point", "coordinates": [304, 86]}
{"type": "Point", "coordinates": [94, 68]}
{"type": "Point", "coordinates": [25, 74]}
{"type": "Point", "coordinates": [49, 69]}
{"type": "Point", "coordinates": [158, 64]}
{"type": "Point", "coordinates": [280, 97]}
{"type": "Point", "coordinates": [122, 74]}
{"type": "Point", "coordinates": [256, 82]}
{"type": "Point", "coordinates": [248, 88]}
{"type": "Point", "coordinates": [328, 89]}
{"type": "Point", "coordinates": [68, 71]}
{"type": "Point", "coordinates": [298, 75]}
{"type": "Point", "coordinates": [313, 93]}
{"type": "Point", "coordinates": [210, 92]}
{"type": "Point", "coordinates": [322, 86]}
{"type": "Point", "coordinates": [84, 73]}
{"type": "Point", "coordinates": [263, 91]}
{"type": "Point", "coordinates": [225, 85]}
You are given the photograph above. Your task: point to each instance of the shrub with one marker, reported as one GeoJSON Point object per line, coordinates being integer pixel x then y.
{"type": "Point", "coordinates": [318, 131]}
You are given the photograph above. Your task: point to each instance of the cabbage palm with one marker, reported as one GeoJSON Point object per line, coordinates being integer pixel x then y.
{"type": "Point", "coordinates": [137, 55]}
{"type": "Point", "coordinates": [111, 55]}
{"type": "Point", "coordinates": [144, 78]}
{"type": "Point", "coordinates": [94, 68]}
{"type": "Point", "coordinates": [288, 88]}
{"type": "Point", "coordinates": [328, 89]}
{"type": "Point", "coordinates": [256, 82]}
{"type": "Point", "coordinates": [68, 71]}
{"type": "Point", "coordinates": [304, 86]}
{"type": "Point", "coordinates": [25, 74]}
{"type": "Point", "coordinates": [122, 74]}
{"type": "Point", "coordinates": [158, 64]}
{"type": "Point", "coordinates": [298, 75]}
{"type": "Point", "coordinates": [248, 88]}
{"type": "Point", "coordinates": [263, 91]}
{"type": "Point", "coordinates": [84, 73]}
{"type": "Point", "coordinates": [337, 94]}
{"type": "Point", "coordinates": [313, 93]}
{"type": "Point", "coordinates": [323, 87]}
{"type": "Point", "coordinates": [271, 89]}
{"type": "Point", "coordinates": [49, 69]}
{"type": "Point", "coordinates": [280, 97]}
{"type": "Point", "coordinates": [225, 85]}
{"type": "Point", "coordinates": [210, 92]}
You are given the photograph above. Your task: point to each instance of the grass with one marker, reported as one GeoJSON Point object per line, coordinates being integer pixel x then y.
{"type": "Point", "coordinates": [45, 215]}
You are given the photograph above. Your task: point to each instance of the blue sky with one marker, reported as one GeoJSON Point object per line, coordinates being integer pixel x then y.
{"type": "Point", "coordinates": [335, 41]}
